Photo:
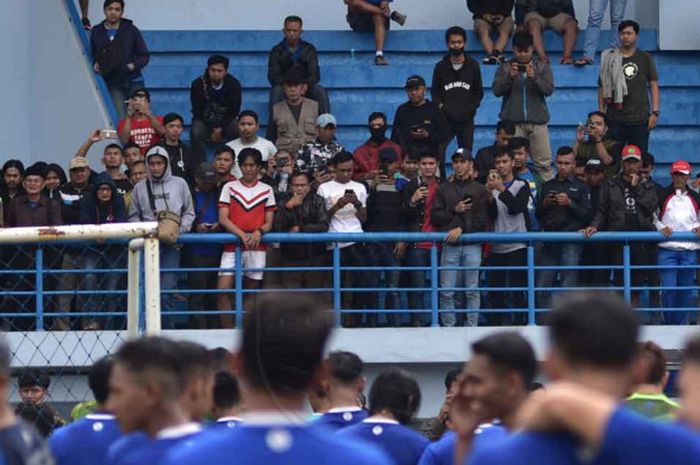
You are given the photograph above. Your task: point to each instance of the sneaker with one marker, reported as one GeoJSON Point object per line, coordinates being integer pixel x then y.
{"type": "Point", "coordinates": [380, 60]}
{"type": "Point", "coordinates": [492, 60]}
{"type": "Point", "coordinates": [398, 17]}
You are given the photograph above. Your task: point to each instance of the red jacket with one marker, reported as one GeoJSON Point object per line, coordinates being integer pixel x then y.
{"type": "Point", "coordinates": [367, 157]}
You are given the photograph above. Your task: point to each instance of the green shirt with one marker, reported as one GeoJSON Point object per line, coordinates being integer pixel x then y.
{"type": "Point", "coordinates": [654, 406]}
{"type": "Point", "coordinates": [587, 150]}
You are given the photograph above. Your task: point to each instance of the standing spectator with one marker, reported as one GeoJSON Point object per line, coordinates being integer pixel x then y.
{"type": "Point", "coordinates": [216, 100]}
{"type": "Point", "coordinates": [367, 154]}
{"type": "Point", "coordinates": [409, 171]}
{"type": "Point", "coordinates": [524, 83]}
{"type": "Point", "coordinates": [508, 210]}
{"type": "Point", "coordinates": [627, 77]}
{"type": "Point", "coordinates": [483, 161]}
{"type": "Point", "coordinates": [119, 53]}
{"type": "Point", "coordinates": [520, 149]}
{"type": "Point", "coordinates": [315, 156]}
{"type": "Point", "coordinates": [457, 89]}
{"type": "Point", "coordinates": [492, 16]}
{"type": "Point", "coordinates": [558, 15]}
{"type": "Point", "coordinates": [460, 207]}
{"type": "Point", "coordinates": [206, 208]}
{"type": "Point", "coordinates": [627, 202]}
{"type": "Point", "coordinates": [248, 127]}
{"type": "Point", "coordinates": [346, 203]}
{"type": "Point", "coordinates": [132, 154]}
{"type": "Point", "coordinates": [293, 52]}
{"type": "Point", "coordinates": [184, 162]}
{"type": "Point", "coordinates": [246, 209]}
{"type": "Point", "coordinates": [598, 144]}
{"type": "Point", "coordinates": [54, 177]}
{"type": "Point", "coordinates": [596, 12]}
{"type": "Point", "coordinates": [12, 177]}
{"type": "Point", "coordinates": [418, 123]}
{"type": "Point", "coordinates": [679, 213]}
{"type": "Point", "coordinates": [418, 198]}
{"type": "Point", "coordinates": [136, 174]}
{"type": "Point", "coordinates": [112, 160]}
{"type": "Point", "coordinates": [373, 15]}
{"type": "Point", "coordinates": [140, 125]}
{"type": "Point", "coordinates": [293, 121]}
{"type": "Point", "coordinates": [594, 254]}
{"type": "Point", "coordinates": [224, 160]}
{"type": "Point", "coordinates": [161, 191]}
{"type": "Point", "coordinates": [564, 205]}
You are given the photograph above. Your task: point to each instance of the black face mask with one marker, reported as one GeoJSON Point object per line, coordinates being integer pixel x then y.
{"type": "Point", "coordinates": [378, 134]}
{"type": "Point", "coordinates": [456, 52]}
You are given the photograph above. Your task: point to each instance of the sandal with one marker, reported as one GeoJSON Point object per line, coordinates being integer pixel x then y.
{"type": "Point", "coordinates": [585, 61]}
{"type": "Point", "coordinates": [567, 61]}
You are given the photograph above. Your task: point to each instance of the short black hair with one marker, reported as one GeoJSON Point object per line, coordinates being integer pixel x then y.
{"type": "Point", "coordinates": [451, 377]}
{"type": "Point", "coordinates": [455, 31]}
{"type": "Point", "coordinates": [691, 352]}
{"type": "Point", "coordinates": [376, 114]}
{"type": "Point", "coordinates": [141, 90]}
{"type": "Point", "coordinates": [109, 2]}
{"type": "Point", "coordinates": [98, 378]}
{"type": "Point", "coordinates": [648, 159]}
{"type": "Point", "coordinates": [305, 174]}
{"type": "Point", "coordinates": [565, 150]}
{"type": "Point", "coordinates": [508, 351]}
{"type": "Point", "coordinates": [594, 328]}
{"type": "Point", "coordinates": [249, 152]}
{"type": "Point", "coordinates": [342, 157]}
{"type": "Point", "coordinates": [522, 39]}
{"type": "Point", "coordinates": [598, 113]}
{"type": "Point", "coordinates": [227, 392]}
{"type": "Point", "coordinates": [517, 143]}
{"type": "Point", "coordinates": [218, 60]}
{"type": "Point", "coordinates": [219, 357]}
{"type": "Point", "coordinates": [294, 19]}
{"type": "Point", "coordinates": [250, 113]}
{"type": "Point", "coordinates": [507, 126]}
{"type": "Point", "coordinates": [344, 366]}
{"type": "Point", "coordinates": [33, 377]}
{"type": "Point", "coordinates": [56, 168]}
{"type": "Point", "coordinates": [397, 392]}
{"type": "Point", "coordinates": [283, 341]}
{"type": "Point", "coordinates": [196, 360]}
{"type": "Point", "coordinates": [503, 151]}
{"type": "Point", "coordinates": [130, 145]}
{"type": "Point", "coordinates": [628, 23]}
{"type": "Point", "coordinates": [13, 163]}
{"type": "Point", "coordinates": [115, 146]}
{"type": "Point", "coordinates": [224, 148]}
{"type": "Point", "coordinates": [427, 154]}
{"type": "Point", "coordinates": [170, 117]}
{"type": "Point", "coordinates": [654, 360]}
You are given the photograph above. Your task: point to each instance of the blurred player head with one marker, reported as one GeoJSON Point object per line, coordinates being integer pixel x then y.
{"type": "Point", "coordinates": [227, 395]}
{"type": "Point", "coordinates": [651, 362]}
{"type": "Point", "coordinates": [197, 397]}
{"type": "Point", "coordinates": [346, 381]}
{"type": "Point", "coordinates": [689, 383]}
{"type": "Point", "coordinates": [98, 380]}
{"type": "Point", "coordinates": [395, 394]}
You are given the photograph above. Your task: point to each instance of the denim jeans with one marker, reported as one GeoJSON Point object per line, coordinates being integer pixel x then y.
{"type": "Point", "coordinates": [121, 92]}
{"type": "Point", "coordinates": [672, 277]}
{"type": "Point", "coordinates": [595, 19]}
{"type": "Point", "coordinates": [460, 256]}
{"type": "Point", "coordinates": [556, 254]}
{"type": "Point", "coordinates": [416, 299]}
{"type": "Point", "coordinates": [103, 259]}
{"type": "Point", "coordinates": [382, 255]}
{"type": "Point", "coordinates": [169, 258]}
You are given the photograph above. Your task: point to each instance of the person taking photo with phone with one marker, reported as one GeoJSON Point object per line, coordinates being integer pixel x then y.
{"type": "Point", "coordinates": [593, 141]}
{"type": "Point", "coordinates": [141, 126]}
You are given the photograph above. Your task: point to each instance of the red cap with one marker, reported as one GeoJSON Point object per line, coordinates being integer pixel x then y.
{"type": "Point", "coordinates": [631, 151]}
{"type": "Point", "coordinates": [680, 166]}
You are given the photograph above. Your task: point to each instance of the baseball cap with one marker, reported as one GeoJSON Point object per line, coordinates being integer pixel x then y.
{"type": "Point", "coordinates": [680, 166]}
{"type": "Point", "coordinates": [414, 81]}
{"type": "Point", "coordinates": [206, 172]}
{"type": "Point", "coordinates": [325, 119]}
{"type": "Point", "coordinates": [462, 155]}
{"type": "Point", "coordinates": [594, 164]}
{"type": "Point", "coordinates": [142, 92]}
{"type": "Point", "coordinates": [78, 162]}
{"type": "Point", "coordinates": [631, 152]}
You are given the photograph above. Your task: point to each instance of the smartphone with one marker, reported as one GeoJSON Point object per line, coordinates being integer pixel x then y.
{"type": "Point", "coordinates": [423, 184]}
{"type": "Point", "coordinates": [108, 134]}
{"type": "Point", "coordinates": [349, 192]}
{"type": "Point", "coordinates": [493, 175]}
{"type": "Point", "coordinates": [383, 170]}
{"type": "Point", "coordinates": [467, 198]}
{"type": "Point", "coordinates": [522, 68]}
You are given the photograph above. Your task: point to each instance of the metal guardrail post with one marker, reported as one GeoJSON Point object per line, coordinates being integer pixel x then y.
{"type": "Point", "coordinates": [39, 283]}
{"type": "Point", "coordinates": [434, 285]}
{"type": "Point", "coordinates": [337, 283]}
{"type": "Point", "coordinates": [152, 265]}
{"type": "Point", "coordinates": [627, 272]}
{"type": "Point", "coordinates": [133, 288]}
{"type": "Point", "coordinates": [531, 285]}
{"type": "Point", "coordinates": [238, 286]}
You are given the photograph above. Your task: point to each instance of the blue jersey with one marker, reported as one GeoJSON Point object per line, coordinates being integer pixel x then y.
{"type": "Point", "coordinates": [226, 423]}
{"type": "Point", "coordinates": [275, 445]}
{"type": "Point", "coordinates": [86, 441]}
{"type": "Point", "coordinates": [338, 419]}
{"type": "Point", "coordinates": [442, 452]}
{"type": "Point", "coordinates": [139, 449]}
{"type": "Point", "coordinates": [402, 444]}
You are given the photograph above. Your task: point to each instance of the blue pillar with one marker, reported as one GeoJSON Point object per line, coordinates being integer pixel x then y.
{"type": "Point", "coordinates": [336, 283]}
{"type": "Point", "coordinates": [238, 285]}
{"type": "Point", "coordinates": [530, 285]}
{"type": "Point", "coordinates": [39, 285]}
{"type": "Point", "coordinates": [627, 272]}
{"type": "Point", "coordinates": [434, 283]}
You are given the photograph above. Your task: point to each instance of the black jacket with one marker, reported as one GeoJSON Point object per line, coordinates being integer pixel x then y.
{"type": "Point", "coordinates": [412, 215]}
{"type": "Point", "coordinates": [311, 217]}
{"type": "Point", "coordinates": [133, 50]}
{"type": "Point", "coordinates": [383, 208]}
{"type": "Point", "coordinates": [216, 109]}
{"type": "Point", "coordinates": [610, 207]}
{"type": "Point", "coordinates": [71, 198]}
{"type": "Point", "coordinates": [183, 162]}
{"type": "Point", "coordinates": [94, 212]}
{"type": "Point", "coordinates": [427, 116]}
{"type": "Point", "coordinates": [484, 162]}
{"type": "Point", "coordinates": [495, 7]}
{"type": "Point", "coordinates": [442, 212]}
{"type": "Point", "coordinates": [281, 61]}
{"type": "Point", "coordinates": [577, 215]}
{"type": "Point", "coordinates": [459, 92]}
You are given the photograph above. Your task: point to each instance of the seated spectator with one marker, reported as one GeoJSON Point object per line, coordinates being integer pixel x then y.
{"type": "Point", "coordinates": [216, 100]}
{"type": "Point", "coordinates": [224, 165]}
{"type": "Point", "coordinates": [112, 160]}
{"type": "Point", "coordinates": [483, 161]}
{"type": "Point", "coordinates": [161, 191]}
{"type": "Point", "coordinates": [492, 16]}
{"type": "Point", "coordinates": [119, 53]}
{"type": "Point", "coordinates": [520, 148]}
{"type": "Point", "coordinates": [136, 175]}
{"type": "Point", "coordinates": [564, 205]}
{"type": "Point", "coordinates": [373, 15]}
{"type": "Point", "coordinates": [558, 15]}
{"type": "Point", "coordinates": [408, 172]}
{"type": "Point", "coordinates": [649, 398]}
{"type": "Point", "coordinates": [678, 213]}
{"type": "Point", "coordinates": [315, 156]}
{"type": "Point", "coordinates": [367, 155]}
{"type": "Point", "coordinates": [246, 209]}
{"type": "Point", "coordinates": [140, 125]}
{"type": "Point", "coordinates": [248, 127]}
{"type": "Point", "coordinates": [12, 177]}
{"type": "Point", "coordinates": [102, 205]}
{"type": "Point", "coordinates": [593, 141]}
{"type": "Point", "coordinates": [460, 207]}
{"type": "Point", "coordinates": [54, 177]}
{"type": "Point", "coordinates": [206, 207]}
{"type": "Point", "coordinates": [418, 123]}
{"type": "Point", "coordinates": [184, 161]}
{"type": "Point", "coordinates": [294, 53]}
{"type": "Point", "coordinates": [519, 13]}
{"type": "Point", "coordinates": [292, 121]}
{"type": "Point", "coordinates": [596, 12]}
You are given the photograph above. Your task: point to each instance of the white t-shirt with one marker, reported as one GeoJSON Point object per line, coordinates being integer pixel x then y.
{"type": "Point", "coordinates": [266, 147]}
{"type": "Point", "coordinates": [345, 220]}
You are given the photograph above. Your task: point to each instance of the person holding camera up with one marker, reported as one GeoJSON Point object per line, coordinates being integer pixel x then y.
{"type": "Point", "coordinates": [140, 126]}
{"type": "Point", "coordinates": [593, 141]}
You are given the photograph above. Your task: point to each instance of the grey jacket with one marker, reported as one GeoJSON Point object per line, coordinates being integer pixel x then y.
{"type": "Point", "coordinates": [524, 98]}
{"type": "Point", "coordinates": [612, 78]}
{"type": "Point", "coordinates": [170, 193]}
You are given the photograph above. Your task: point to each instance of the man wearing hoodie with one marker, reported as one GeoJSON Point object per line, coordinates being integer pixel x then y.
{"type": "Point", "coordinates": [167, 193]}
{"type": "Point", "coordinates": [457, 89]}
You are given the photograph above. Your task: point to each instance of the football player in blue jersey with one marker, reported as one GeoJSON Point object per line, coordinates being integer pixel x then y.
{"type": "Point", "coordinates": [227, 400]}
{"type": "Point", "coordinates": [281, 351]}
{"type": "Point", "coordinates": [197, 397]}
{"type": "Point", "coordinates": [86, 441]}
{"type": "Point", "coordinates": [346, 384]}
{"type": "Point", "coordinates": [393, 401]}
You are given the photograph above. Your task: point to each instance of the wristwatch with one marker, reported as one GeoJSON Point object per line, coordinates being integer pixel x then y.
{"type": "Point", "coordinates": [656, 113]}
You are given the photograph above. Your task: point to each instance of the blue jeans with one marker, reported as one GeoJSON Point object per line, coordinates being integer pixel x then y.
{"type": "Point", "coordinates": [382, 255]}
{"type": "Point", "coordinates": [672, 277]}
{"type": "Point", "coordinates": [169, 258]}
{"type": "Point", "coordinates": [102, 259]}
{"type": "Point", "coordinates": [556, 254]}
{"type": "Point", "coordinates": [595, 19]}
{"type": "Point", "coordinates": [460, 256]}
{"type": "Point", "coordinates": [416, 299]}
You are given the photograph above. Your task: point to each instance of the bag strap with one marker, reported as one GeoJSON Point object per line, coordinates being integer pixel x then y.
{"type": "Point", "coordinates": [151, 198]}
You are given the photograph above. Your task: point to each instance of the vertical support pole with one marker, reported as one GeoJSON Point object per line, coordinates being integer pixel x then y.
{"type": "Point", "coordinates": [39, 287]}
{"type": "Point", "coordinates": [238, 286]}
{"type": "Point", "coordinates": [337, 284]}
{"type": "Point", "coordinates": [152, 279]}
{"type": "Point", "coordinates": [530, 285]}
{"type": "Point", "coordinates": [133, 288]}
{"type": "Point", "coordinates": [627, 272]}
{"type": "Point", "coordinates": [434, 284]}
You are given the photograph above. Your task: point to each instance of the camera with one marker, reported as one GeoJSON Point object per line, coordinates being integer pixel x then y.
{"type": "Point", "coordinates": [522, 69]}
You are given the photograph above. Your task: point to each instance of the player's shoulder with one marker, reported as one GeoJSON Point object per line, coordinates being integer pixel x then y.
{"type": "Point", "coordinates": [522, 446]}
{"type": "Point", "coordinates": [349, 452]}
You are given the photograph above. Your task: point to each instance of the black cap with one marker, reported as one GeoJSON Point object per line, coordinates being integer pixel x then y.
{"type": "Point", "coordinates": [594, 164]}
{"type": "Point", "coordinates": [388, 155]}
{"type": "Point", "coordinates": [462, 154]}
{"type": "Point", "coordinates": [141, 92]}
{"type": "Point", "coordinates": [414, 81]}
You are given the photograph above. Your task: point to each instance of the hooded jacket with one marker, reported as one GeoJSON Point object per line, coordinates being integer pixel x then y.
{"type": "Point", "coordinates": [133, 50]}
{"type": "Point", "coordinates": [94, 212]}
{"type": "Point", "coordinates": [458, 91]}
{"type": "Point", "coordinates": [170, 194]}
{"type": "Point", "coordinates": [524, 98]}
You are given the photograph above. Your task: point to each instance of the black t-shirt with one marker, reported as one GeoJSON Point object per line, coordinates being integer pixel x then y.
{"type": "Point", "coordinates": [123, 186]}
{"type": "Point", "coordinates": [631, 216]}
{"type": "Point", "coordinates": [638, 69]}
{"type": "Point", "coordinates": [20, 444]}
